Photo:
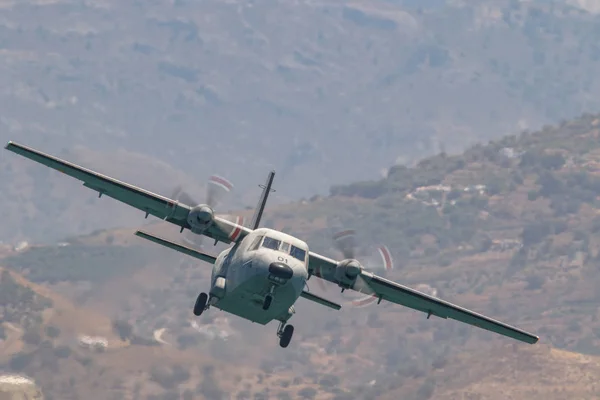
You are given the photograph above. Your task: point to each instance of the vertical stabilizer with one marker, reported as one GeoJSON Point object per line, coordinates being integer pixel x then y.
{"type": "Point", "coordinates": [262, 201]}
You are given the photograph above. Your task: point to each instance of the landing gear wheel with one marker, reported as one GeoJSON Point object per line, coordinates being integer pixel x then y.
{"type": "Point", "coordinates": [286, 336]}
{"type": "Point", "coordinates": [200, 305]}
{"type": "Point", "coordinates": [267, 302]}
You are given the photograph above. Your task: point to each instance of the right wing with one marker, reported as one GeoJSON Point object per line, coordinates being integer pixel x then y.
{"type": "Point", "coordinates": [151, 203]}
{"type": "Point", "coordinates": [385, 289]}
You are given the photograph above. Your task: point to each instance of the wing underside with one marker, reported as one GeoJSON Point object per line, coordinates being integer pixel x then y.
{"type": "Point", "coordinates": [393, 292]}
{"type": "Point", "coordinates": [151, 203]}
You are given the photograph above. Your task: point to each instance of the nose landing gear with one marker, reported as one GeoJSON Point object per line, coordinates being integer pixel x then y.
{"type": "Point", "coordinates": [267, 302]}
{"type": "Point", "coordinates": [268, 298]}
{"type": "Point", "coordinates": [285, 332]}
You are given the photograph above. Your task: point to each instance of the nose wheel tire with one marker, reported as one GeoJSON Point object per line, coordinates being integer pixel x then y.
{"type": "Point", "coordinates": [286, 336]}
{"type": "Point", "coordinates": [200, 305]}
{"type": "Point", "coordinates": [267, 302]}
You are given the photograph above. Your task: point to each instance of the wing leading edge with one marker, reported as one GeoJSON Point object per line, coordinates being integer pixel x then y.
{"type": "Point", "coordinates": [385, 289]}
{"type": "Point", "coordinates": [151, 203]}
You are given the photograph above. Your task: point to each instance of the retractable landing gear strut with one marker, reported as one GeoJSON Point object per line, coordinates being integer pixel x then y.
{"type": "Point", "coordinates": [285, 332]}
{"type": "Point", "coordinates": [268, 298]}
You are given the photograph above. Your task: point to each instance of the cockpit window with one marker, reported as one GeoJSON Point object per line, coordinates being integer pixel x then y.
{"type": "Point", "coordinates": [271, 243]}
{"type": "Point", "coordinates": [255, 243]}
{"type": "Point", "coordinates": [298, 253]}
{"type": "Point", "coordinates": [285, 247]}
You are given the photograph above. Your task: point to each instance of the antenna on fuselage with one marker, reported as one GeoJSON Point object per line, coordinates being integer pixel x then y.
{"type": "Point", "coordinates": [262, 202]}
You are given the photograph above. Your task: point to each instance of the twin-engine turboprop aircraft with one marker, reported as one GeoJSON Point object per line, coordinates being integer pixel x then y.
{"type": "Point", "coordinates": [265, 271]}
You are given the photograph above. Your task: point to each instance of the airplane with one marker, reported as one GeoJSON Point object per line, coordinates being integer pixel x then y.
{"type": "Point", "coordinates": [265, 271]}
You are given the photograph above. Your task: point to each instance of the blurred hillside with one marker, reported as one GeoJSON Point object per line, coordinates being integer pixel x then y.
{"type": "Point", "coordinates": [507, 229]}
{"type": "Point", "coordinates": [237, 88]}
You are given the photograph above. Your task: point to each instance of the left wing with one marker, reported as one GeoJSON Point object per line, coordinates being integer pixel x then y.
{"type": "Point", "coordinates": [385, 289]}
{"type": "Point", "coordinates": [151, 203]}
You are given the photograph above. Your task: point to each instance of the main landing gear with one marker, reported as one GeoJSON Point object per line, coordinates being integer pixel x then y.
{"type": "Point", "coordinates": [201, 304]}
{"type": "Point", "coordinates": [285, 333]}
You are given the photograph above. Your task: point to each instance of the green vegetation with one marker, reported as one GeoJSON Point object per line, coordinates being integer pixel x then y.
{"type": "Point", "coordinates": [18, 301]}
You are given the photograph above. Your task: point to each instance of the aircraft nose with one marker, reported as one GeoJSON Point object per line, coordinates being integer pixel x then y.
{"type": "Point", "coordinates": [281, 270]}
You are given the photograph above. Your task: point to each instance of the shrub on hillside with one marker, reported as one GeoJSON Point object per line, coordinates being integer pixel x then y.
{"type": "Point", "coordinates": [169, 378]}
{"type": "Point", "coordinates": [32, 337]}
{"type": "Point", "coordinates": [52, 331]}
{"type": "Point", "coordinates": [20, 361]}
{"type": "Point", "coordinates": [123, 328]}
{"type": "Point", "coordinates": [425, 391]}
{"type": "Point", "coordinates": [535, 232]}
{"type": "Point", "coordinates": [534, 282]}
{"type": "Point", "coordinates": [307, 393]}
{"type": "Point", "coordinates": [62, 351]}
{"type": "Point", "coordinates": [210, 388]}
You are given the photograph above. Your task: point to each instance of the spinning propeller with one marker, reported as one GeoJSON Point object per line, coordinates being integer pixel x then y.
{"type": "Point", "coordinates": [345, 242]}
{"type": "Point", "coordinates": [217, 188]}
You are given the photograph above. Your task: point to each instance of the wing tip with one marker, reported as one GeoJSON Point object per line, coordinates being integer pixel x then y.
{"type": "Point", "coordinates": [9, 144]}
{"type": "Point", "coordinates": [531, 339]}
{"type": "Point", "coordinates": [535, 339]}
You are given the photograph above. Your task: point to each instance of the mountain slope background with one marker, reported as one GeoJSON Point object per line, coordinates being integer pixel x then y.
{"type": "Point", "coordinates": [237, 88]}
{"type": "Point", "coordinates": [508, 229]}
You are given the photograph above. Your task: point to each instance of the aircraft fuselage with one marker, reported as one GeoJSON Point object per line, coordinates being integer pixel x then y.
{"type": "Point", "coordinates": [246, 274]}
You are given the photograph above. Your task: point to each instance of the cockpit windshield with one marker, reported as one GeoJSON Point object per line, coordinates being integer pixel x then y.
{"type": "Point", "coordinates": [298, 253]}
{"type": "Point", "coordinates": [274, 244]}
{"type": "Point", "coordinates": [271, 243]}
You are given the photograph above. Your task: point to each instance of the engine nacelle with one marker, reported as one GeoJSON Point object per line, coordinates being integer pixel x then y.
{"type": "Point", "coordinates": [200, 218]}
{"type": "Point", "coordinates": [346, 273]}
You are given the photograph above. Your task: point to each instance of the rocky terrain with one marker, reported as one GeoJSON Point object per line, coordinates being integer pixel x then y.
{"type": "Point", "coordinates": [190, 88]}
{"type": "Point", "coordinates": [506, 228]}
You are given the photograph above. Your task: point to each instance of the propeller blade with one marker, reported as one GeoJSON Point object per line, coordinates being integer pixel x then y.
{"type": "Point", "coordinates": [193, 240]}
{"type": "Point", "coordinates": [345, 242]}
{"type": "Point", "coordinates": [386, 266]}
{"type": "Point", "coordinates": [362, 286]}
{"type": "Point", "coordinates": [386, 256]}
{"type": "Point", "coordinates": [182, 196]}
{"type": "Point", "coordinates": [216, 189]}
{"type": "Point", "coordinates": [364, 301]}
{"type": "Point", "coordinates": [321, 281]}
